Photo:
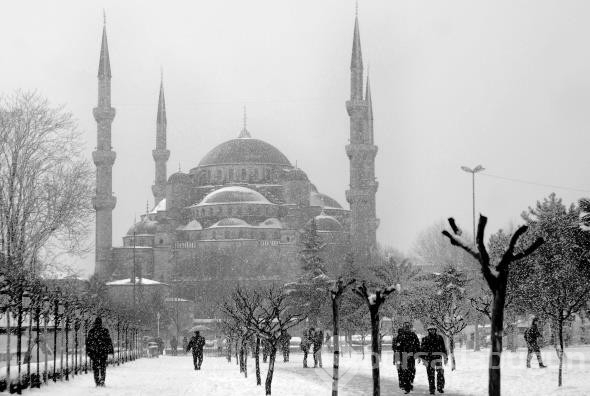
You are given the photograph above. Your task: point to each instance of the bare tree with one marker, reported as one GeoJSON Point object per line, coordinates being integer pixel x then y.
{"type": "Point", "coordinates": [497, 280]}
{"type": "Point", "coordinates": [336, 292]}
{"type": "Point", "coordinates": [267, 313]}
{"type": "Point", "coordinates": [45, 182]}
{"type": "Point", "coordinates": [374, 301]}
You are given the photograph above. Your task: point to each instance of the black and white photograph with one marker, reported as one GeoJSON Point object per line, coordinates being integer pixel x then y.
{"type": "Point", "coordinates": [273, 197]}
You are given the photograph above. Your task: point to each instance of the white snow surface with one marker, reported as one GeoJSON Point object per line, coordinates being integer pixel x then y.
{"type": "Point", "coordinates": [169, 375]}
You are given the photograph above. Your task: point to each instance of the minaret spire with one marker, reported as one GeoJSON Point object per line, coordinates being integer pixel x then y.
{"type": "Point", "coordinates": [161, 153]}
{"type": "Point", "coordinates": [244, 132]}
{"type": "Point", "coordinates": [361, 152]}
{"type": "Point", "coordinates": [104, 202]}
{"type": "Point", "coordinates": [356, 64]}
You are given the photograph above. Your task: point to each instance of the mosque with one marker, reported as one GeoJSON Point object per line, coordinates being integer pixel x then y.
{"type": "Point", "coordinates": [238, 215]}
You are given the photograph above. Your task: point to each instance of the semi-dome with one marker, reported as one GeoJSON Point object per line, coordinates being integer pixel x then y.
{"type": "Point", "coordinates": [179, 177]}
{"type": "Point", "coordinates": [230, 222]}
{"type": "Point", "coordinates": [234, 194]}
{"type": "Point", "coordinates": [327, 223]}
{"type": "Point", "coordinates": [324, 201]}
{"type": "Point", "coordinates": [295, 175]}
{"type": "Point", "coordinates": [244, 151]}
{"type": "Point", "coordinates": [193, 225]}
{"type": "Point", "coordinates": [144, 227]}
{"type": "Point", "coordinates": [271, 223]}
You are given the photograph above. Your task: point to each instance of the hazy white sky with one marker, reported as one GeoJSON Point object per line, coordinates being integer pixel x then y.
{"type": "Point", "coordinates": [501, 83]}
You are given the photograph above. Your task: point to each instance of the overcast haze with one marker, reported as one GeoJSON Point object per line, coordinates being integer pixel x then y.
{"type": "Point", "coordinates": [504, 84]}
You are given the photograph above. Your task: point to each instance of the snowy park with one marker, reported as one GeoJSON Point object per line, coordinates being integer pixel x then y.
{"type": "Point", "coordinates": [174, 375]}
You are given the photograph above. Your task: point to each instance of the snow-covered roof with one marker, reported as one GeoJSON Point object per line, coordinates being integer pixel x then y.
{"type": "Point", "coordinates": [160, 206]}
{"type": "Point", "coordinates": [271, 223]}
{"type": "Point", "coordinates": [128, 282]}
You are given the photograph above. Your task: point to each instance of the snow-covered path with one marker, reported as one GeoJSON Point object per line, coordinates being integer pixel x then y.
{"type": "Point", "coordinates": [175, 376]}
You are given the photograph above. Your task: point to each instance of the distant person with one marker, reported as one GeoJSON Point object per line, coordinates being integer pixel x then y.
{"type": "Point", "coordinates": [530, 336]}
{"type": "Point", "coordinates": [433, 351]}
{"type": "Point", "coordinates": [160, 343]}
{"type": "Point", "coordinates": [285, 343]}
{"type": "Point", "coordinates": [196, 343]}
{"type": "Point", "coordinates": [173, 346]}
{"type": "Point", "coordinates": [306, 343]}
{"type": "Point", "coordinates": [98, 346]}
{"type": "Point", "coordinates": [184, 344]}
{"type": "Point", "coordinates": [318, 342]}
{"type": "Point", "coordinates": [405, 346]}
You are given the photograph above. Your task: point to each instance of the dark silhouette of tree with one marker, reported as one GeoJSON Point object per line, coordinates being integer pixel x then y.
{"type": "Point", "coordinates": [497, 279]}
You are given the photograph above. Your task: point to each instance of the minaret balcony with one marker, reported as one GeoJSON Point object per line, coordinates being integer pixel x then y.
{"type": "Point", "coordinates": [104, 202]}
{"type": "Point", "coordinates": [103, 114]}
{"type": "Point", "coordinates": [355, 105]}
{"type": "Point", "coordinates": [103, 157]}
{"type": "Point", "coordinates": [161, 155]}
{"type": "Point", "coordinates": [159, 190]}
{"type": "Point", "coordinates": [364, 150]}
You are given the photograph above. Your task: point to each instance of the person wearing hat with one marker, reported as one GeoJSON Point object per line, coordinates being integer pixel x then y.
{"type": "Point", "coordinates": [98, 346]}
{"type": "Point", "coordinates": [405, 346]}
{"type": "Point", "coordinates": [433, 351]}
{"type": "Point", "coordinates": [196, 343]}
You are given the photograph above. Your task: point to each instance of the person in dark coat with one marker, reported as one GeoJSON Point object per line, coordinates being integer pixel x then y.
{"type": "Point", "coordinates": [530, 336]}
{"type": "Point", "coordinates": [98, 346]}
{"type": "Point", "coordinates": [173, 346]}
{"type": "Point", "coordinates": [285, 343]}
{"type": "Point", "coordinates": [405, 347]}
{"type": "Point", "coordinates": [160, 343]}
{"type": "Point", "coordinates": [318, 342]}
{"type": "Point", "coordinates": [196, 343]}
{"type": "Point", "coordinates": [306, 344]}
{"type": "Point", "coordinates": [433, 352]}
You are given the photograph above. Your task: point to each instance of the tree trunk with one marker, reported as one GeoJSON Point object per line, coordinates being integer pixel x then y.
{"type": "Point", "coordinates": [257, 360]}
{"type": "Point", "coordinates": [237, 354]}
{"type": "Point", "coordinates": [476, 336]}
{"type": "Point", "coordinates": [560, 350]}
{"type": "Point", "coordinates": [363, 345]}
{"type": "Point", "coordinates": [497, 325]}
{"type": "Point", "coordinates": [336, 342]}
{"type": "Point", "coordinates": [229, 351]}
{"type": "Point", "coordinates": [374, 310]}
{"type": "Point", "coordinates": [271, 367]}
{"type": "Point", "coordinates": [452, 350]}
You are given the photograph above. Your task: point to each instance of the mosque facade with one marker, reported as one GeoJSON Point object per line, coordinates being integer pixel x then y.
{"type": "Point", "coordinates": [238, 215]}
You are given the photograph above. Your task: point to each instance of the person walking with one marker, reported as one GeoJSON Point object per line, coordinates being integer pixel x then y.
{"type": "Point", "coordinates": [406, 346]}
{"type": "Point", "coordinates": [318, 342]}
{"type": "Point", "coordinates": [184, 344]}
{"type": "Point", "coordinates": [196, 343]}
{"type": "Point", "coordinates": [173, 346]}
{"type": "Point", "coordinates": [285, 342]}
{"type": "Point", "coordinates": [98, 346]}
{"type": "Point", "coordinates": [306, 344]}
{"type": "Point", "coordinates": [530, 336]}
{"type": "Point", "coordinates": [433, 351]}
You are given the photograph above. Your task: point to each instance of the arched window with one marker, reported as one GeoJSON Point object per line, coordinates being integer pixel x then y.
{"type": "Point", "coordinates": [256, 174]}
{"type": "Point", "coordinates": [231, 174]}
{"type": "Point", "coordinates": [244, 175]}
{"type": "Point", "coordinates": [219, 176]}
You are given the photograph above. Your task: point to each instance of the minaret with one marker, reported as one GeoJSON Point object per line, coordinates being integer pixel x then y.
{"type": "Point", "coordinates": [104, 157]}
{"type": "Point", "coordinates": [160, 154]}
{"type": "Point", "coordinates": [361, 152]}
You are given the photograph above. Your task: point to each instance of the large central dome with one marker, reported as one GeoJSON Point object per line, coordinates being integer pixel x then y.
{"type": "Point", "coordinates": [244, 151]}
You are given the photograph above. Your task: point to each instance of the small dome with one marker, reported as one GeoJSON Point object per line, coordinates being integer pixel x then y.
{"type": "Point", "coordinates": [179, 177]}
{"type": "Point", "coordinates": [244, 151]}
{"type": "Point", "coordinates": [230, 222]}
{"type": "Point", "coordinates": [327, 223]}
{"type": "Point", "coordinates": [193, 226]}
{"type": "Point", "coordinates": [323, 201]}
{"type": "Point", "coordinates": [271, 223]}
{"type": "Point", "coordinates": [296, 175]}
{"type": "Point", "coordinates": [144, 227]}
{"type": "Point", "coordinates": [234, 194]}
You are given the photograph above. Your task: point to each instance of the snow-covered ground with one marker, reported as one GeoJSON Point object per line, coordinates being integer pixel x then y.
{"type": "Point", "coordinates": [169, 375]}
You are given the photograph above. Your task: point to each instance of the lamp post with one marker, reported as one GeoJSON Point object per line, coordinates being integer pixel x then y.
{"type": "Point", "coordinates": [60, 314]}
{"type": "Point", "coordinates": [473, 171]}
{"type": "Point", "coordinates": [46, 313]}
{"type": "Point", "coordinates": [23, 305]}
{"type": "Point", "coordinates": [5, 309]}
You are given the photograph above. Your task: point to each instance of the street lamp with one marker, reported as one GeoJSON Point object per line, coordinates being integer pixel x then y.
{"type": "Point", "coordinates": [473, 171]}
{"type": "Point", "coordinates": [5, 302]}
